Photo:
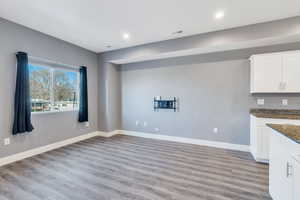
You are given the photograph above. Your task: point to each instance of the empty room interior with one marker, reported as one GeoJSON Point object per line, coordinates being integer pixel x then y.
{"type": "Point", "coordinates": [149, 100]}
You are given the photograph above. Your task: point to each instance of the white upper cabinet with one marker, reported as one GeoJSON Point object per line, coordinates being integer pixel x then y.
{"type": "Point", "coordinates": [291, 72]}
{"type": "Point", "coordinates": [275, 73]}
{"type": "Point", "coordinates": [266, 73]}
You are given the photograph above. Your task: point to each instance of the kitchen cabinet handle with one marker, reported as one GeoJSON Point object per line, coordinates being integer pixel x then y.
{"type": "Point", "coordinates": [284, 85]}
{"type": "Point", "coordinates": [289, 168]}
{"type": "Point", "coordinates": [280, 86]}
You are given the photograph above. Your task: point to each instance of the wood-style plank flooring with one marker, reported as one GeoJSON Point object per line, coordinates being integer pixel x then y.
{"type": "Point", "coordinates": [125, 167]}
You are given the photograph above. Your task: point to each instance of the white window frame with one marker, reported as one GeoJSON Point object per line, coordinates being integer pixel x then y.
{"type": "Point", "coordinates": [52, 68]}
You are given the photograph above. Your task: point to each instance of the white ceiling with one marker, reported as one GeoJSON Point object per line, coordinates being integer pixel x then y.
{"type": "Point", "coordinates": [94, 24]}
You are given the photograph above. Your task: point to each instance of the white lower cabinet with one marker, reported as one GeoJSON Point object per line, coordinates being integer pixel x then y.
{"type": "Point", "coordinates": [260, 136]}
{"type": "Point", "coordinates": [284, 174]}
{"type": "Point", "coordinates": [279, 174]}
{"type": "Point", "coordinates": [296, 178]}
{"type": "Point", "coordinates": [263, 137]}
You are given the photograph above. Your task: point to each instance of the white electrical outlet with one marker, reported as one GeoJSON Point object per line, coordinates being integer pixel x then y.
{"type": "Point", "coordinates": [87, 124]}
{"type": "Point", "coordinates": [145, 124]}
{"type": "Point", "coordinates": [260, 101]}
{"type": "Point", "coordinates": [215, 130]}
{"type": "Point", "coordinates": [284, 102]}
{"type": "Point", "coordinates": [6, 141]}
{"type": "Point", "coordinates": [156, 129]}
{"type": "Point", "coordinates": [137, 123]}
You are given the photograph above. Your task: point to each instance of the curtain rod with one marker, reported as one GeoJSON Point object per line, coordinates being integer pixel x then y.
{"type": "Point", "coordinates": [52, 62]}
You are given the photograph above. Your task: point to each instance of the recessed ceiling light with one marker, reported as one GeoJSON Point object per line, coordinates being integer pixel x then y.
{"type": "Point", "coordinates": [219, 15]}
{"type": "Point", "coordinates": [126, 36]}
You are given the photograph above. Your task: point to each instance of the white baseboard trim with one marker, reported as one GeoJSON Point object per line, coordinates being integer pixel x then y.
{"type": "Point", "coordinates": [222, 145]}
{"type": "Point", "coordinates": [257, 159]}
{"type": "Point", "coordinates": [43, 149]}
{"type": "Point", "coordinates": [108, 134]}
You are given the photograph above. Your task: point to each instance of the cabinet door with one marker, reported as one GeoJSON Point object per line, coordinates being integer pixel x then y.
{"type": "Point", "coordinates": [280, 177]}
{"type": "Point", "coordinates": [263, 142]}
{"type": "Point", "coordinates": [266, 73]}
{"type": "Point", "coordinates": [291, 72]}
{"type": "Point", "coordinates": [296, 180]}
{"type": "Point", "coordinates": [253, 136]}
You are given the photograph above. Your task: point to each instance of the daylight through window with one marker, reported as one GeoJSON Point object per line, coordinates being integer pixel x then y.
{"type": "Point", "coordinates": [53, 89]}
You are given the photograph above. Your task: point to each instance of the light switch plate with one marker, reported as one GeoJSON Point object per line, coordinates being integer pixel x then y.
{"type": "Point", "coordinates": [284, 102]}
{"type": "Point", "coordinates": [260, 101]}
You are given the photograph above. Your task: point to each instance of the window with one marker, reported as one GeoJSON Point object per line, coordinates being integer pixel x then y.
{"type": "Point", "coordinates": [53, 89]}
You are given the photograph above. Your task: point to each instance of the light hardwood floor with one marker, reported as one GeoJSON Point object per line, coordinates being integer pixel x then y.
{"type": "Point", "coordinates": [126, 167]}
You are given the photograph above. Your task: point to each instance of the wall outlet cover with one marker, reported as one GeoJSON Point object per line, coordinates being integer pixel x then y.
{"type": "Point", "coordinates": [260, 101]}
{"type": "Point", "coordinates": [137, 123]}
{"type": "Point", "coordinates": [215, 130]}
{"type": "Point", "coordinates": [284, 102]}
{"type": "Point", "coordinates": [87, 124]}
{"type": "Point", "coordinates": [145, 124]}
{"type": "Point", "coordinates": [6, 141]}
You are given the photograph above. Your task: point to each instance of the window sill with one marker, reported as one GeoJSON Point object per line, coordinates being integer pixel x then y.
{"type": "Point", "coordinates": [53, 112]}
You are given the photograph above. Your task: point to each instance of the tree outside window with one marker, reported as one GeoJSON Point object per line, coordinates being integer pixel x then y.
{"type": "Point", "coordinates": [53, 89]}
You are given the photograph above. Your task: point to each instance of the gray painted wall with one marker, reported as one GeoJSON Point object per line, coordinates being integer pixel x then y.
{"type": "Point", "coordinates": [213, 89]}
{"type": "Point", "coordinates": [210, 95]}
{"type": "Point", "coordinates": [109, 96]}
{"type": "Point", "coordinates": [213, 92]}
{"type": "Point", "coordinates": [49, 128]}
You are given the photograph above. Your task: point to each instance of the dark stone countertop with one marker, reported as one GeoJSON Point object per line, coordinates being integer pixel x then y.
{"type": "Point", "coordinates": [276, 113]}
{"type": "Point", "coordinates": [288, 130]}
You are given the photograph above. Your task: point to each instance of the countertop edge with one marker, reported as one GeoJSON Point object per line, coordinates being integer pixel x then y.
{"type": "Point", "coordinates": [276, 116]}
{"type": "Point", "coordinates": [280, 132]}
{"type": "Point", "coordinates": [292, 114]}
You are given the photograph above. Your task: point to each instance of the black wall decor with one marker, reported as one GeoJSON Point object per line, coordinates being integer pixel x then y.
{"type": "Point", "coordinates": [165, 104]}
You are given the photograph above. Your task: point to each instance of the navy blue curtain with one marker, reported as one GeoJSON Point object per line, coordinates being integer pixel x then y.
{"type": "Point", "coordinates": [83, 99]}
{"type": "Point", "coordinates": [22, 112]}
